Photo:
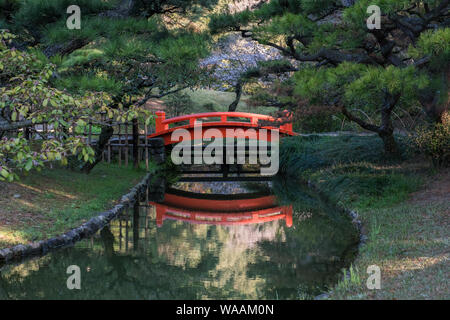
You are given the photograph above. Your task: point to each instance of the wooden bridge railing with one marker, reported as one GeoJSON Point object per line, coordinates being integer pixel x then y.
{"type": "Point", "coordinates": [162, 124]}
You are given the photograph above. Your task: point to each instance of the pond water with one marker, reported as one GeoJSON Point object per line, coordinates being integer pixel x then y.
{"type": "Point", "coordinates": [252, 243]}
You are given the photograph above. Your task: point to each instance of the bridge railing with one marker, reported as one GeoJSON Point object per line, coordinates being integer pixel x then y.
{"type": "Point", "coordinates": [164, 212]}
{"type": "Point", "coordinates": [162, 124]}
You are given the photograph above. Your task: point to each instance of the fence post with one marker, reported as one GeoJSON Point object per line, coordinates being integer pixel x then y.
{"type": "Point", "coordinates": [288, 215]}
{"type": "Point", "coordinates": [126, 144]}
{"type": "Point", "coordinates": [136, 157]}
{"type": "Point", "coordinates": [146, 146]}
{"type": "Point", "coordinates": [90, 134]}
{"type": "Point", "coordinates": [119, 144]}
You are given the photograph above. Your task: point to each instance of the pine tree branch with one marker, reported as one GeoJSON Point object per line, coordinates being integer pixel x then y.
{"type": "Point", "coordinates": [359, 121]}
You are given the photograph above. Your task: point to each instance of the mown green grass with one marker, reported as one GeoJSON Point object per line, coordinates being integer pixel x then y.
{"type": "Point", "coordinates": [63, 199]}
{"type": "Point", "coordinates": [409, 244]}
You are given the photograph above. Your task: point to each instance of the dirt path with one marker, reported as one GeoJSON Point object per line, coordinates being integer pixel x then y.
{"type": "Point", "coordinates": [435, 191]}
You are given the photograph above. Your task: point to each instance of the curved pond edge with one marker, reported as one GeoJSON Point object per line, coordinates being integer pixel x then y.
{"type": "Point", "coordinates": [353, 214]}
{"type": "Point", "coordinates": [360, 228]}
{"type": "Point", "coordinates": [89, 228]}
{"type": "Point", "coordinates": [362, 242]}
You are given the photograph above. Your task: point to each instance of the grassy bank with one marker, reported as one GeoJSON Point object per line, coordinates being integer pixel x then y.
{"type": "Point", "coordinates": [51, 202]}
{"type": "Point", "coordinates": [404, 206]}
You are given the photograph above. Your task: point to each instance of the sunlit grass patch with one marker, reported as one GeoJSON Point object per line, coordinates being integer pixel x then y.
{"type": "Point", "coordinates": [410, 245]}
{"type": "Point", "coordinates": [55, 200]}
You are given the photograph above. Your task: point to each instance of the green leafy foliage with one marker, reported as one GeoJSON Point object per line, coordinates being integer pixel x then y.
{"type": "Point", "coordinates": [433, 140]}
{"type": "Point", "coordinates": [110, 66]}
{"type": "Point", "coordinates": [436, 45]}
{"type": "Point", "coordinates": [349, 169]}
{"type": "Point", "coordinates": [26, 95]}
{"type": "Point", "coordinates": [36, 13]}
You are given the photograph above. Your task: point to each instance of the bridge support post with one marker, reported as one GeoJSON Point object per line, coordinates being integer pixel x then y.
{"type": "Point", "coordinates": [156, 189]}
{"type": "Point", "coordinates": [157, 150]}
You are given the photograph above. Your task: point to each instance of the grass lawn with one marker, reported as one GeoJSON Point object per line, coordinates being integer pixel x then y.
{"type": "Point", "coordinates": [404, 207]}
{"type": "Point", "coordinates": [47, 203]}
{"type": "Point", "coordinates": [220, 102]}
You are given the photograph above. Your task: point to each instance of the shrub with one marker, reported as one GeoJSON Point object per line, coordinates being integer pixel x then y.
{"type": "Point", "coordinates": [179, 103]}
{"type": "Point", "coordinates": [320, 121]}
{"type": "Point", "coordinates": [434, 141]}
{"type": "Point", "coordinates": [209, 107]}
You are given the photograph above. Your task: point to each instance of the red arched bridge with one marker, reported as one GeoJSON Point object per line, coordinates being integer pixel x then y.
{"type": "Point", "coordinates": [221, 121]}
{"type": "Point", "coordinates": [220, 209]}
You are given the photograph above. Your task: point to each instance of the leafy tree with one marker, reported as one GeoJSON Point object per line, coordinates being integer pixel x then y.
{"type": "Point", "coordinates": [122, 56]}
{"type": "Point", "coordinates": [26, 99]}
{"type": "Point", "coordinates": [339, 62]}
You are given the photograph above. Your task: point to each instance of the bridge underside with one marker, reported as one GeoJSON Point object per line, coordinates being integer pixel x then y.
{"type": "Point", "coordinates": [220, 209]}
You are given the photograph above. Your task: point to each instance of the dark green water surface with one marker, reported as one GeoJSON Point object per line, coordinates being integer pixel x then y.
{"type": "Point", "coordinates": [134, 258]}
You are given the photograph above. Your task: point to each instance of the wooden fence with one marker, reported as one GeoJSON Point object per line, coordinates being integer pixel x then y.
{"type": "Point", "coordinates": [120, 148]}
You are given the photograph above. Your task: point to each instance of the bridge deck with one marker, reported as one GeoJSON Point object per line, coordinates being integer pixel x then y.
{"type": "Point", "coordinates": [252, 120]}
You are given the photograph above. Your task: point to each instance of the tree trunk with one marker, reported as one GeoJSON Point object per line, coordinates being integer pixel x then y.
{"type": "Point", "coordinates": [385, 131]}
{"type": "Point", "coordinates": [106, 134]}
{"type": "Point", "coordinates": [238, 91]}
{"type": "Point", "coordinates": [390, 145]}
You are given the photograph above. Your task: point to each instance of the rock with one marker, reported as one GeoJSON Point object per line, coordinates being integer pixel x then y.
{"type": "Point", "coordinates": [55, 242]}
{"type": "Point", "coordinates": [18, 251]}
{"type": "Point", "coordinates": [34, 248]}
{"type": "Point", "coordinates": [6, 254]}
{"type": "Point", "coordinates": [347, 3]}
{"type": "Point", "coordinates": [44, 246]}
{"type": "Point", "coordinates": [72, 236]}
{"type": "Point", "coordinates": [17, 196]}
{"type": "Point", "coordinates": [323, 296]}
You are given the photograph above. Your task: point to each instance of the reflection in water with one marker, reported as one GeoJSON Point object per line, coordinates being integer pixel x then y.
{"type": "Point", "coordinates": [219, 209]}
{"type": "Point", "coordinates": [191, 249]}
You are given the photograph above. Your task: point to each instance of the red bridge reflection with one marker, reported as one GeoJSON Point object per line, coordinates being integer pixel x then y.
{"type": "Point", "coordinates": [220, 209]}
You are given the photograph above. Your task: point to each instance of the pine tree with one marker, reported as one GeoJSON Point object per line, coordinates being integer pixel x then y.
{"type": "Point", "coordinates": [123, 55]}
{"type": "Point", "coordinates": [338, 61]}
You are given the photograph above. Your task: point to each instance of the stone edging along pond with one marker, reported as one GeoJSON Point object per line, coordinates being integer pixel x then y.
{"type": "Point", "coordinates": [87, 229]}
